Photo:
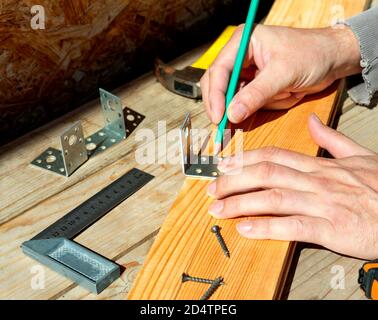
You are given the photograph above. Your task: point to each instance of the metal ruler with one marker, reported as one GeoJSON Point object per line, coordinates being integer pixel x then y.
{"type": "Point", "coordinates": [54, 246]}
{"type": "Point", "coordinates": [96, 207]}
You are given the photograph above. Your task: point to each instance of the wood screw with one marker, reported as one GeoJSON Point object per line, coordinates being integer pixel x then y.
{"type": "Point", "coordinates": [216, 229]}
{"type": "Point", "coordinates": [214, 286]}
{"type": "Point", "coordinates": [185, 277]}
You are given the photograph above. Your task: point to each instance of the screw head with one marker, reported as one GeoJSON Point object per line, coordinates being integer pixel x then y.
{"type": "Point", "coordinates": [184, 277]}
{"type": "Point", "coordinates": [215, 229]}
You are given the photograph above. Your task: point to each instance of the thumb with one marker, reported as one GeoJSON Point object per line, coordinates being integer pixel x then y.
{"type": "Point", "coordinates": [334, 142]}
{"type": "Point", "coordinates": [267, 84]}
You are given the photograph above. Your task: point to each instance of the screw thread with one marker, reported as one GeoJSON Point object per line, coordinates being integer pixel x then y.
{"type": "Point", "coordinates": [223, 244]}
{"type": "Point", "coordinates": [186, 277]}
{"type": "Point", "coordinates": [214, 286]}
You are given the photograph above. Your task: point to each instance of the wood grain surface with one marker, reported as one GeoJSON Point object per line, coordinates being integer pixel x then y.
{"type": "Point", "coordinates": [31, 199]}
{"type": "Point", "coordinates": [256, 269]}
{"type": "Point", "coordinates": [90, 43]}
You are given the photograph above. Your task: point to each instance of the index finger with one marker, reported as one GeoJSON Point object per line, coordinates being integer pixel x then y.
{"type": "Point", "coordinates": [214, 83]}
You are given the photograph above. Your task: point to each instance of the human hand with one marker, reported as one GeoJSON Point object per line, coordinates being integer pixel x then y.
{"type": "Point", "coordinates": [282, 66]}
{"type": "Point", "coordinates": [330, 202]}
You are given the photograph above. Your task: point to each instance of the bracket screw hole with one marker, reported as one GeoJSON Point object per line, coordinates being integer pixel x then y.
{"type": "Point", "coordinates": [198, 170]}
{"type": "Point", "coordinates": [72, 140]}
{"type": "Point", "coordinates": [50, 159]}
{"type": "Point", "coordinates": [130, 117]}
{"type": "Point", "coordinates": [110, 103]}
{"type": "Point", "coordinates": [91, 146]}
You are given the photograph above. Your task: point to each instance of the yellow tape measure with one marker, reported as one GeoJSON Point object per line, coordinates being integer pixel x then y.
{"type": "Point", "coordinates": [209, 56]}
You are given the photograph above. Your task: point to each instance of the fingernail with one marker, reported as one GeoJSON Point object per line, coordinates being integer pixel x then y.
{"type": "Point", "coordinates": [238, 112]}
{"type": "Point", "coordinates": [216, 207]}
{"type": "Point", "coordinates": [211, 189]}
{"type": "Point", "coordinates": [244, 227]}
{"type": "Point", "coordinates": [316, 118]}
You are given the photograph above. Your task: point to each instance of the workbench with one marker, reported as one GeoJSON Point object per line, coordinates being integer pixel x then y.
{"type": "Point", "coordinates": [31, 199]}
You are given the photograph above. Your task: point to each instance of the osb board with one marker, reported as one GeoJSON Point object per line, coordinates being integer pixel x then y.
{"type": "Point", "coordinates": [256, 269]}
{"type": "Point", "coordinates": [87, 44]}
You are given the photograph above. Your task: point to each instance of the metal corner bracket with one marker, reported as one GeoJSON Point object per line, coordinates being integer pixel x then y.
{"type": "Point", "coordinates": [75, 149]}
{"type": "Point", "coordinates": [195, 166]}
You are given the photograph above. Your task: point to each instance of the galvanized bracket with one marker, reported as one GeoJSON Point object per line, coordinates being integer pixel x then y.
{"type": "Point", "coordinates": [72, 155]}
{"type": "Point", "coordinates": [75, 149]}
{"type": "Point", "coordinates": [195, 166]}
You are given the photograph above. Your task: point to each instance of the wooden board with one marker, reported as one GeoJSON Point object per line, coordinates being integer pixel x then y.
{"type": "Point", "coordinates": [184, 244]}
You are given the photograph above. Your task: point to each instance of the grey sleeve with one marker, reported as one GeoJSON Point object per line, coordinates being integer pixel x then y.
{"type": "Point", "coordinates": [365, 27]}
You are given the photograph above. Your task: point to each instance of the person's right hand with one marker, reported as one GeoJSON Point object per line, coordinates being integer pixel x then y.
{"type": "Point", "coordinates": [282, 66]}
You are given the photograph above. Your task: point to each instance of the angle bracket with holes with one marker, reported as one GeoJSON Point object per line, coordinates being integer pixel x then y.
{"type": "Point", "coordinates": [195, 166]}
{"type": "Point", "coordinates": [75, 149]}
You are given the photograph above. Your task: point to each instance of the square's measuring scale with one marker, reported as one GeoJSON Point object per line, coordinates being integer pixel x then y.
{"type": "Point", "coordinates": [55, 248]}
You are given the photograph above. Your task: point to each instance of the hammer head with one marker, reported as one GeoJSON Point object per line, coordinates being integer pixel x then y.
{"type": "Point", "coordinates": [185, 82]}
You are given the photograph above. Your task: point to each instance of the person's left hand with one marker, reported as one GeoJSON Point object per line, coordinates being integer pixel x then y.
{"type": "Point", "coordinates": [330, 202]}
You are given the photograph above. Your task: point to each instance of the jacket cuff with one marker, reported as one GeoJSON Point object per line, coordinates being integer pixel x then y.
{"type": "Point", "coordinates": [365, 27]}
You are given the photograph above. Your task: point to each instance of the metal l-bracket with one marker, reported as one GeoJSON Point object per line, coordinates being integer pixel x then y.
{"type": "Point", "coordinates": [76, 149]}
{"type": "Point", "coordinates": [195, 166]}
{"type": "Point", "coordinates": [116, 128]}
{"type": "Point", "coordinates": [72, 155]}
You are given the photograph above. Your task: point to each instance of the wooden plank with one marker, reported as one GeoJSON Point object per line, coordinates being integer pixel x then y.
{"type": "Point", "coordinates": [184, 244]}
{"type": "Point", "coordinates": [360, 123]}
{"type": "Point", "coordinates": [316, 275]}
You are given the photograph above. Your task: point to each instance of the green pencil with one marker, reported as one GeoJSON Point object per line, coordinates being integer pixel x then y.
{"type": "Point", "coordinates": [244, 42]}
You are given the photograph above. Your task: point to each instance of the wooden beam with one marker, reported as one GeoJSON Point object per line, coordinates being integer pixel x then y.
{"type": "Point", "coordinates": [257, 269]}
